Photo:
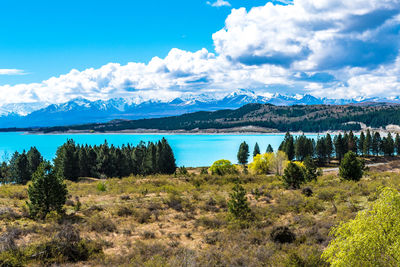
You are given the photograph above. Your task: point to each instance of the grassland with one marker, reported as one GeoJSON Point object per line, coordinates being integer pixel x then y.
{"type": "Point", "coordinates": [182, 220]}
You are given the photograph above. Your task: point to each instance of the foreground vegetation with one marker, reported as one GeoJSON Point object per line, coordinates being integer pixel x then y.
{"type": "Point", "coordinates": [186, 220]}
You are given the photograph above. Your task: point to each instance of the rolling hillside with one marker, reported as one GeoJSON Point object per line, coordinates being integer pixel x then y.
{"type": "Point", "coordinates": [311, 118]}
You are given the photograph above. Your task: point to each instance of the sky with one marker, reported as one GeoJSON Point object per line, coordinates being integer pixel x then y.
{"type": "Point", "coordinates": [54, 51]}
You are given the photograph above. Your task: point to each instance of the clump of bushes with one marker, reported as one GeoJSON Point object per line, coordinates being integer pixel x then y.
{"type": "Point", "coordinates": [101, 224]}
{"type": "Point", "coordinates": [222, 167]}
{"type": "Point", "coordinates": [65, 246]}
{"type": "Point", "coordinates": [307, 191]}
{"type": "Point", "coordinates": [282, 234]}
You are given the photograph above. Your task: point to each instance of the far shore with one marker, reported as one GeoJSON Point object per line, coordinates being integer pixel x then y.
{"type": "Point", "coordinates": [383, 132]}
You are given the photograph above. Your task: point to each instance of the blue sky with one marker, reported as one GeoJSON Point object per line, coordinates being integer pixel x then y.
{"type": "Point", "coordinates": [54, 51]}
{"type": "Point", "coordinates": [48, 38]}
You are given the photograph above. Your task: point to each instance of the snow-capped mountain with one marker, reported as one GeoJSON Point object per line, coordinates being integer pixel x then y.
{"type": "Point", "coordinates": [81, 110]}
{"type": "Point", "coordinates": [21, 109]}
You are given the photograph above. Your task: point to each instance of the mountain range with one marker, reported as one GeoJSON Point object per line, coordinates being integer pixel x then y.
{"type": "Point", "coordinates": [81, 110]}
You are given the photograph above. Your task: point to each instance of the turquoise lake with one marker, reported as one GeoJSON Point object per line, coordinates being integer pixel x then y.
{"type": "Point", "coordinates": [189, 150]}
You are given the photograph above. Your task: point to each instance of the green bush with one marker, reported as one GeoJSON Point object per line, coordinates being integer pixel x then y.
{"type": "Point", "coordinates": [351, 168]}
{"type": "Point", "coordinates": [293, 176]}
{"type": "Point", "coordinates": [101, 187]}
{"type": "Point", "coordinates": [372, 238]}
{"type": "Point", "coordinates": [222, 167]}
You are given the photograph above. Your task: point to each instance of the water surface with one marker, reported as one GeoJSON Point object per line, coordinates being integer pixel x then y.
{"type": "Point", "coordinates": [190, 150]}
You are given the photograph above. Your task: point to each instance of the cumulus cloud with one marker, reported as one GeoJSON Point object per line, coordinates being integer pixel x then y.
{"type": "Point", "coordinates": [313, 35]}
{"type": "Point", "coordinates": [11, 72]}
{"type": "Point", "coordinates": [329, 48]}
{"type": "Point", "coordinates": [218, 3]}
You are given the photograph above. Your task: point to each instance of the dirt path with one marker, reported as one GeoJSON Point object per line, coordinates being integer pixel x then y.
{"type": "Point", "coordinates": [367, 165]}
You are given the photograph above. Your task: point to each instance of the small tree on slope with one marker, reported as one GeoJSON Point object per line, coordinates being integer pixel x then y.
{"type": "Point", "coordinates": [47, 192]}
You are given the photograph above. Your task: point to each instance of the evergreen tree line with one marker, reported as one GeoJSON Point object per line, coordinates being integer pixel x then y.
{"type": "Point", "coordinates": [325, 147]}
{"type": "Point", "coordinates": [73, 161]}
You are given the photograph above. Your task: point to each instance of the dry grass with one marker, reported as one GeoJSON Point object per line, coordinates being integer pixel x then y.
{"type": "Point", "coordinates": [182, 221]}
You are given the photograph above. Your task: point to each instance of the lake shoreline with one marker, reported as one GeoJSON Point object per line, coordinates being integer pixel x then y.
{"type": "Point", "coordinates": [207, 132]}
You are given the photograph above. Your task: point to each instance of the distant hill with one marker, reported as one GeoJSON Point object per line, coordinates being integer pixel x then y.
{"type": "Point", "coordinates": [80, 110]}
{"type": "Point", "coordinates": [311, 118]}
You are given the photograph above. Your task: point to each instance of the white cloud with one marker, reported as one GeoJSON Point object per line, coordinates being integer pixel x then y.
{"type": "Point", "coordinates": [218, 3]}
{"type": "Point", "coordinates": [329, 48]}
{"type": "Point", "coordinates": [11, 72]}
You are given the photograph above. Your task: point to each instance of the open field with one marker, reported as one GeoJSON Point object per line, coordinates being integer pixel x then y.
{"type": "Point", "coordinates": [182, 220]}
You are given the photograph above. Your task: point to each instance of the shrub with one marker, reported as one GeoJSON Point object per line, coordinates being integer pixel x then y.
{"type": "Point", "coordinates": [101, 224]}
{"type": "Point", "coordinates": [351, 168]}
{"type": "Point", "coordinates": [124, 211]}
{"type": "Point", "coordinates": [182, 171]}
{"type": "Point", "coordinates": [293, 176]}
{"type": "Point", "coordinates": [307, 191]}
{"type": "Point", "coordinates": [212, 238]}
{"type": "Point", "coordinates": [142, 216]}
{"type": "Point", "coordinates": [222, 167]}
{"type": "Point", "coordinates": [204, 171]}
{"type": "Point", "coordinates": [238, 205]}
{"type": "Point", "coordinates": [47, 192]}
{"type": "Point", "coordinates": [148, 235]}
{"type": "Point", "coordinates": [174, 201]}
{"type": "Point", "coordinates": [210, 223]}
{"type": "Point", "coordinates": [101, 187]}
{"type": "Point", "coordinates": [372, 238]}
{"type": "Point", "coordinates": [282, 234]}
{"type": "Point", "coordinates": [66, 246]}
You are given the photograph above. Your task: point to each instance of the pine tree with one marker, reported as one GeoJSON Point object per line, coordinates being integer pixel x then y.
{"type": "Point", "coordinates": [361, 143]}
{"type": "Point", "coordinates": [388, 145]}
{"type": "Point", "coordinates": [376, 144]}
{"type": "Point", "coordinates": [345, 144]}
{"type": "Point", "coordinates": [270, 149]}
{"type": "Point", "coordinates": [339, 147]}
{"type": "Point", "coordinates": [243, 154]}
{"type": "Point", "coordinates": [23, 174]}
{"type": "Point", "coordinates": [66, 163]}
{"type": "Point", "coordinates": [34, 159]}
{"type": "Point", "coordinates": [303, 147]}
{"type": "Point", "coordinates": [351, 168]}
{"type": "Point", "coordinates": [328, 146]}
{"type": "Point", "coordinates": [105, 164]}
{"type": "Point", "coordinates": [288, 146]}
{"type": "Point", "coordinates": [13, 169]}
{"type": "Point", "coordinates": [367, 144]}
{"type": "Point", "coordinates": [256, 150]}
{"type": "Point", "coordinates": [352, 142]}
{"type": "Point", "coordinates": [4, 173]}
{"type": "Point", "coordinates": [293, 176]}
{"type": "Point", "coordinates": [310, 170]}
{"type": "Point", "coordinates": [238, 205]}
{"type": "Point", "coordinates": [47, 192]}
{"type": "Point", "coordinates": [397, 144]}
{"type": "Point", "coordinates": [92, 162]}
{"type": "Point", "coordinates": [321, 150]}
{"type": "Point", "coordinates": [84, 170]}
{"type": "Point", "coordinates": [150, 160]}
{"type": "Point", "coordinates": [138, 155]}
{"type": "Point", "coordinates": [166, 159]}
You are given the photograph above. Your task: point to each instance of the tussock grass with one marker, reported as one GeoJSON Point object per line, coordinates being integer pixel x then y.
{"type": "Point", "coordinates": [182, 220]}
